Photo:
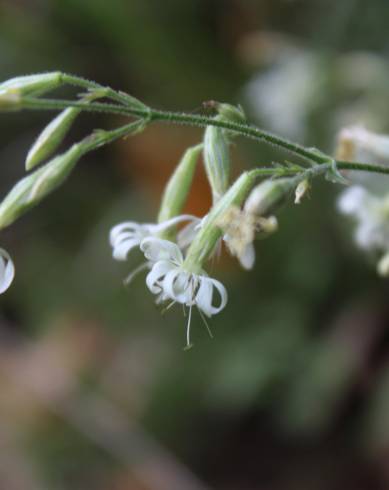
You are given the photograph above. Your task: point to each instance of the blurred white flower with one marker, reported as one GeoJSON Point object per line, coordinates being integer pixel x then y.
{"type": "Point", "coordinates": [368, 201]}
{"type": "Point", "coordinates": [170, 280]}
{"type": "Point", "coordinates": [126, 236]}
{"type": "Point", "coordinates": [358, 144]}
{"type": "Point", "coordinates": [372, 215]}
{"type": "Point", "coordinates": [7, 270]}
{"type": "Point", "coordinates": [284, 95]}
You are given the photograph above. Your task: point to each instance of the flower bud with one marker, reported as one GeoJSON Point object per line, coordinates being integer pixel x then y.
{"type": "Point", "coordinates": [267, 226]}
{"type": "Point", "coordinates": [51, 137]}
{"type": "Point", "coordinates": [10, 100]}
{"type": "Point", "coordinates": [217, 160]}
{"type": "Point", "coordinates": [267, 195]}
{"type": "Point", "coordinates": [32, 189]}
{"type": "Point", "coordinates": [33, 84]}
{"type": "Point", "coordinates": [231, 113]}
{"type": "Point", "coordinates": [301, 190]}
{"type": "Point", "coordinates": [206, 239]}
{"type": "Point", "coordinates": [54, 133]}
{"type": "Point", "coordinates": [177, 189]}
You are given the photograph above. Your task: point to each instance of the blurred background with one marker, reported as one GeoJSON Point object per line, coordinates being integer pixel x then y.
{"type": "Point", "coordinates": [96, 390]}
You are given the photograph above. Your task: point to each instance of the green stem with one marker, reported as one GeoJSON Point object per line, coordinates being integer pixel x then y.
{"type": "Point", "coordinates": [312, 155]}
{"type": "Point", "coordinates": [101, 137]}
{"type": "Point", "coordinates": [364, 167]}
{"type": "Point", "coordinates": [120, 97]}
{"type": "Point", "coordinates": [182, 118]}
{"type": "Point", "coordinates": [246, 130]}
{"type": "Point", "coordinates": [59, 105]}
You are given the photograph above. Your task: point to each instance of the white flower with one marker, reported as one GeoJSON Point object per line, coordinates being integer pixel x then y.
{"type": "Point", "coordinates": [170, 280]}
{"type": "Point", "coordinates": [126, 236]}
{"type": "Point", "coordinates": [356, 143]}
{"type": "Point", "coordinates": [372, 215]}
{"type": "Point", "coordinates": [7, 270]}
{"type": "Point", "coordinates": [240, 227]}
{"type": "Point", "coordinates": [291, 87]}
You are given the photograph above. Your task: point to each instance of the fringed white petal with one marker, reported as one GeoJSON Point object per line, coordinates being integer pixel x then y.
{"type": "Point", "coordinates": [165, 225]}
{"type": "Point", "coordinates": [7, 270]}
{"type": "Point", "coordinates": [205, 296]}
{"type": "Point", "coordinates": [177, 286]}
{"type": "Point", "coordinates": [156, 275]}
{"type": "Point", "coordinates": [156, 249]}
{"type": "Point", "coordinates": [186, 236]}
{"type": "Point", "coordinates": [247, 258]}
{"type": "Point", "coordinates": [128, 227]}
{"type": "Point", "coordinates": [124, 247]}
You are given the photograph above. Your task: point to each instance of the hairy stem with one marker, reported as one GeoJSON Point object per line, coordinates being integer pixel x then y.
{"type": "Point", "coordinates": [312, 155]}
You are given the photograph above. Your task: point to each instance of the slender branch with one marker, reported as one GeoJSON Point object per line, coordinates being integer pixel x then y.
{"type": "Point", "coordinates": [60, 104]}
{"type": "Point", "coordinates": [364, 167]}
{"type": "Point", "coordinates": [300, 173]}
{"type": "Point", "coordinates": [312, 155]}
{"type": "Point", "coordinates": [249, 131]}
{"type": "Point", "coordinates": [102, 137]}
{"type": "Point", "coordinates": [118, 96]}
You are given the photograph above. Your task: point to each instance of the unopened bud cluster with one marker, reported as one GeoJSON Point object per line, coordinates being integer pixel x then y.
{"type": "Point", "coordinates": [30, 190]}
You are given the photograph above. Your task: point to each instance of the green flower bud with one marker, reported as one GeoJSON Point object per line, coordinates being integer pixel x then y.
{"type": "Point", "coordinates": [301, 190]}
{"type": "Point", "coordinates": [33, 84]}
{"type": "Point", "coordinates": [177, 189]}
{"type": "Point", "coordinates": [32, 189]}
{"type": "Point", "coordinates": [54, 133]}
{"type": "Point", "coordinates": [217, 160]}
{"type": "Point", "coordinates": [267, 195]}
{"type": "Point", "coordinates": [10, 100]}
{"type": "Point", "coordinates": [231, 112]}
{"type": "Point", "coordinates": [51, 137]}
{"type": "Point", "coordinates": [206, 239]}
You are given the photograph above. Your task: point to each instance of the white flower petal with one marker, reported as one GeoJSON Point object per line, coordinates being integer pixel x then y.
{"type": "Point", "coordinates": [156, 249]}
{"type": "Point", "coordinates": [7, 270]}
{"type": "Point", "coordinates": [247, 258]}
{"type": "Point", "coordinates": [165, 225]}
{"type": "Point", "coordinates": [352, 200]}
{"type": "Point", "coordinates": [177, 286]}
{"type": "Point", "coordinates": [186, 236]}
{"type": "Point", "coordinates": [122, 249]}
{"type": "Point", "coordinates": [129, 227]}
{"type": "Point", "coordinates": [368, 236]}
{"type": "Point", "coordinates": [204, 296]}
{"type": "Point", "coordinates": [157, 273]}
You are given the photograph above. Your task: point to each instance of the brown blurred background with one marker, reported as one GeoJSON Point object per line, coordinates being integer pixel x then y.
{"type": "Point", "coordinates": [96, 390]}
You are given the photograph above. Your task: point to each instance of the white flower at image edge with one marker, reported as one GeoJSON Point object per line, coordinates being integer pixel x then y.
{"type": "Point", "coordinates": [372, 215]}
{"type": "Point", "coordinates": [171, 281]}
{"type": "Point", "coordinates": [7, 270]}
{"type": "Point", "coordinates": [126, 236]}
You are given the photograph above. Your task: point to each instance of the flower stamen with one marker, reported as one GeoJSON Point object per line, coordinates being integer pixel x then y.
{"type": "Point", "coordinates": [135, 273]}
